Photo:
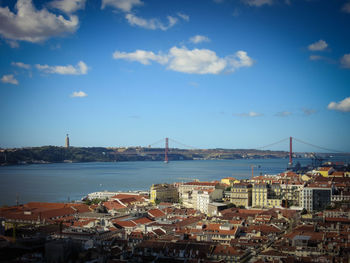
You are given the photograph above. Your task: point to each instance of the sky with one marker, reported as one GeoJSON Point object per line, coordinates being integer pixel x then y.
{"type": "Point", "coordinates": [209, 73]}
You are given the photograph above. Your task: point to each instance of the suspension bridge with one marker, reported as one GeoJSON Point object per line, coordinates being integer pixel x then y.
{"type": "Point", "coordinates": [168, 150]}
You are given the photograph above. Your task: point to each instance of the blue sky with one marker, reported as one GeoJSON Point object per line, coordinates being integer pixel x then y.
{"type": "Point", "coordinates": [228, 73]}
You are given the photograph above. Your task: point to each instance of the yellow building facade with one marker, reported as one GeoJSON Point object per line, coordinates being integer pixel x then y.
{"type": "Point", "coordinates": [241, 194]}
{"type": "Point", "coordinates": [163, 193]}
{"type": "Point", "coordinates": [266, 195]}
{"type": "Point", "coordinates": [229, 181]}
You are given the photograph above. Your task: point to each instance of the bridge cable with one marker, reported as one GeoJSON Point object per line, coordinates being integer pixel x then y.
{"type": "Point", "coordinates": [187, 146]}
{"type": "Point", "coordinates": [159, 141]}
{"type": "Point", "coordinates": [272, 144]}
{"type": "Point", "coordinates": [319, 147]}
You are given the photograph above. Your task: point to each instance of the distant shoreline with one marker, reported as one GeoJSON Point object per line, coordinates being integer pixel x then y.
{"type": "Point", "coordinates": [54, 154]}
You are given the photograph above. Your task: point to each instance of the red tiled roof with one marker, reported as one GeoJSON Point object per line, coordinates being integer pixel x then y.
{"type": "Point", "coordinates": [142, 221]}
{"type": "Point", "coordinates": [110, 205]}
{"type": "Point", "coordinates": [226, 250]}
{"type": "Point", "coordinates": [139, 198]}
{"type": "Point", "coordinates": [136, 234]}
{"type": "Point", "coordinates": [337, 219]}
{"type": "Point", "coordinates": [159, 232]}
{"type": "Point", "coordinates": [250, 211]}
{"type": "Point", "coordinates": [124, 224]}
{"type": "Point", "coordinates": [264, 229]}
{"type": "Point", "coordinates": [156, 213]}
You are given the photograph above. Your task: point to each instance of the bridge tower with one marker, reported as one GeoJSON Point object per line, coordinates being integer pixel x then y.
{"type": "Point", "coordinates": [166, 150]}
{"type": "Point", "coordinates": [290, 151]}
{"type": "Point", "coordinates": [67, 141]}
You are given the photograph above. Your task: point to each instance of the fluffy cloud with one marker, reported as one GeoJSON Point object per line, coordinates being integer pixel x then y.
{"type": "Point", "coordinates": [248, 114]}
{"type": "Point", "coordinates": [123, 5]}
{"type": "Point", "coordinates": [257, 3]}
{"type": "Point", "coordinates": [318, 46]}
{"type": "Point", "coordinates": [343, 105]}
{"type": "Point", "coordinates": [346, 8]}
{"type": "Point", "coordinates": [195, 61]}
{"type": "Point", "coordinates": [20, 65]}
{"type": "Point", "coordinates": [68, 6]}
{"type": "Point", "coordinates": [283, 114]}
{"type": "Point", "coordinates": [32, 25]}
{"type": "Point", "coordinates": [80, 69]}
{"type": "Point", "coordinates": [9, 79]}
{"type": "Point", "coordinates": [152, 23]}
{"type": "Point", "coordinates": [78, 94]}
{"type": "Point", "coordinates": [144, 57]}
{"type": "Point", "coordinates": [345, 61]}
{"type": "Point", "coordinates": [199, 39]}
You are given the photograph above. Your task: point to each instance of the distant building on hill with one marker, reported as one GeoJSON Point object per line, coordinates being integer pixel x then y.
{"type": "Point", "coordinates": [67, 141]}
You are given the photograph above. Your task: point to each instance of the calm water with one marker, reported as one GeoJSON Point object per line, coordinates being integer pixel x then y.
{"type": "Point", "coordinates": [64, 181]}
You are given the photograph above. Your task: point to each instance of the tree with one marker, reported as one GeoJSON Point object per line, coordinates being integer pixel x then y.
{"type": "Point", "coordinates": [231, 205]}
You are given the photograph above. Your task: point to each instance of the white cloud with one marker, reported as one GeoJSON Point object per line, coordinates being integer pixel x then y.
{"type": "Point", "coordinates": [152, 23]}
{"type": "Point", "coordinates": [32, 25]}
{"type": "Point", "coordinates": [283, 114]}
{"type": "Point", "coordinates": [199, 39]}
{"type": "Point", "coordinates": [184, 16]}
{"type": "Point", "coordinates": [257, 3]}
{"type": "Point", "coordinates": [345, 61]}
{"type": "Point", "coordinates": [144, 57]}
{"type": "Point", "coordinates": [318, 46]}
{"type": "Point", "coordinates": [248, 114]}
{"type": "Point", "coordinates": [346, 8]}
{"type": "Point", "coordinates": [80, 69]}
{"type": "Point", "coordinates": [68, 6]}
{"type": "Point", "coordinates": [343, 105]}
{"type": "Point", "coordinates": [196, 61]}
{"type": "Point", "coordinates": [20, 65]}
{"type": "Point", "coordinates": [78, 94]}
{"type": "Point", "coordinates": [124, 5]}
{"type": "Point", "coordinates": [9, 79]}
{"type": "Point", "coordinates": [239, 60]}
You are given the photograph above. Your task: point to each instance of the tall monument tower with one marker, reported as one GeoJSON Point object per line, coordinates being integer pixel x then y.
{"type": "Point", "coordinates": [67, 141]}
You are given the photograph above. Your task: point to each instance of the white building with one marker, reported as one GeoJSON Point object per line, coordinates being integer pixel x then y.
{"type": "Point", "coordinates": [101, 195]}
{"type": "Point", "coordinates": [203, 198]}
{"type": "Point", "coordinates": [316, 196]}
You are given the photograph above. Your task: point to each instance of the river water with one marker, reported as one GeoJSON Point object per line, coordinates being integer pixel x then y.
{"type": "Point", "coordinates": [71, 181]}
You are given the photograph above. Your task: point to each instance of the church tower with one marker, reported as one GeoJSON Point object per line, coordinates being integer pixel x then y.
{"type": "Point", "coordinates": [67, 141]}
